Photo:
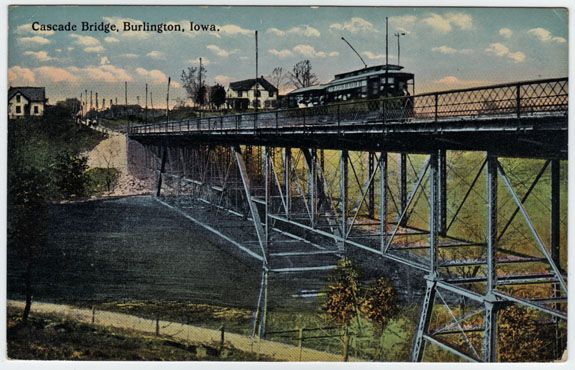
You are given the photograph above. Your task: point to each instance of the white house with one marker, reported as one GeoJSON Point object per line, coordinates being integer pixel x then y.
{"type": "Point", "coordinates": [242, 95]}
{"type": "Point", "coordinates": [26, 101]}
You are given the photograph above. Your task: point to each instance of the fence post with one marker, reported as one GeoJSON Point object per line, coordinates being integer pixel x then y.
{"type": "Point", "coordinates": [303, 112]}
{"type": "Point", "coordinates": [222, 334]}
{"type": "Point", "coordinates": [93, 314]}
{"type": "Point", "coordinates": [518, 100]}
{"type": "Point", "coordinates": [157, 324]}
{"type": "Point", "coordinates": [338, 118]}
{"type": "Point", "coordinates": [300, 341]}
{"type": "Point", "coordinates": [277, 124]}
{"type": "Point", "coordinates": [436, 103]}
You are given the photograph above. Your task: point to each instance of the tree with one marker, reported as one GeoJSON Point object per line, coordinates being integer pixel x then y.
{"type": "Point", "coordinates": [69, 175]}
{"type": "Point", "coordinates": [379, 303]}
{"type": "Point", "coordinates": [302, 76]}
{"type": "Point", "coordinates": [218, 95]}
{"type": "Point", "coordinates": [343, 293]}
{"type": "Point", "coordinates": [278, 77]}
{"type": "Point", "coordinates": [27, 194]}
{"type": "Point", "coordinates": [191, 83]}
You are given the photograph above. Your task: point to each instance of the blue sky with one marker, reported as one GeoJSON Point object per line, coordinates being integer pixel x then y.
{"type": "Point", "coordinates": [445, 47]}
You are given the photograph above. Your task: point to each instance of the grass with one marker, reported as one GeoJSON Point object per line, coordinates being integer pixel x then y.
{"type": "Point", "coordinates": [47, 337]}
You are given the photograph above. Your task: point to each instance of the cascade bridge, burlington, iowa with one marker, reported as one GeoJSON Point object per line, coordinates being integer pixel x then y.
{"type": "Point", "coordinates": [429, 182]}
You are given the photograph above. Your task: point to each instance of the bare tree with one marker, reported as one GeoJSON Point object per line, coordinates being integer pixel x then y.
{"type": "Point", "coordinates": [278, 77]}
{"type": "Point", "coordinates": [191, 83]}
{"type": "Point", "coordinates": [302, 76]}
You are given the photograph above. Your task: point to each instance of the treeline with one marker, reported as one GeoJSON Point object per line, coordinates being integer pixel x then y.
{"type": "Point", "coordinates": [44, 164]}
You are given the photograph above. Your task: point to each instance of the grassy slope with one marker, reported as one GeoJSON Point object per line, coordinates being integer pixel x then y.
{"type": "Point", "coordinates": [51, 338]}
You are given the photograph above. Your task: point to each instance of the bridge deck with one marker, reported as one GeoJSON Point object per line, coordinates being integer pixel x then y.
{"type": "Point", "coordinates": [522, 119]}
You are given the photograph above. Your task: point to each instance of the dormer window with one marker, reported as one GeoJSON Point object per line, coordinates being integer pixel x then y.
{"type": "Point", "coordinates": [17, 98]}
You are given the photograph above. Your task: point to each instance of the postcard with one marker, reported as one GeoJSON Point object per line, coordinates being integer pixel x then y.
{"type": "Point", "coordinates": [287, 183]}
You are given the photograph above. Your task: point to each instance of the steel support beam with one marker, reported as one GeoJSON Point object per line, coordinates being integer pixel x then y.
{"type": "Point", "coordinates": [343, 188]}
{"type": "Point", "coordinates": [442, 201]}
{"type": "Point", "coordinates": [425, 317]}
{"type": "Point", "coordinates": [556, 240]}
{"type": "Point", "coordinates": [287, 180]}
{"type": "Point", "coordinates": [383, 201]}
{"type": "Point", "coordinates": [490, 319]}
{"type": "Point", "coordinates": [252, 207]}
{"type": "Point", "coordinates": [402, 184]}
{"type": "Point", "coordinates": [371, 187]}
{"type": "Point", "coordinates": [162, 169]}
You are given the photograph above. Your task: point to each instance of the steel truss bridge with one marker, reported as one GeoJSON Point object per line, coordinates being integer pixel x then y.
{"type": "Point", "coordinates": [428, 181]}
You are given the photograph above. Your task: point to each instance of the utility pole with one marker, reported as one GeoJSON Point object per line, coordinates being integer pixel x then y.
{"type": "Point", "coordinates": [168, 101]}
{"type": "Point", "coordinates": [97, 105]}
{"type": "Point", "coordinates": [397, 34]}
{"type": "Point", "coordinates": [256, 100]}
{"type": "Point", "coordinates": [126, 93]}
{"type": "Point", "coordinates": [90, 99]}
{"type": "Point", "coordinates": [81, 103]}
{"type": "Point", "coordinates": [200, 95]}
{"type": "Point", "coordinates": [146, 108]}
{"type": "Point", "coordinates": [386, 85]}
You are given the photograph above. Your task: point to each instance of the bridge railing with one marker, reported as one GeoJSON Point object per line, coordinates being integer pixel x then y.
{"type": "Point", "coordinates": [519, 99]}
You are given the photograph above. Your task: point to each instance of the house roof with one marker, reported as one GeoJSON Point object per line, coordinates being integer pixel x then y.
{"type": "Point", "coordinates": [248, 84]}
{"type": "Point", "coordinates": [34, 94]}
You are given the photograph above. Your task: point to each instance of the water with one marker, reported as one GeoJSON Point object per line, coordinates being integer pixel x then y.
{"type": "Point", "coordinates": [137, 249]}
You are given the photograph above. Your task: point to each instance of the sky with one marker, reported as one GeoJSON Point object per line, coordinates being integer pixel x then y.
{"type": "Point", "coordinates": [446, 48]}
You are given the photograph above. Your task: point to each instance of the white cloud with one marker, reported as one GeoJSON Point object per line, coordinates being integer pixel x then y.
{"type": "Point", "coordinates": [155, 54]}
{"type": "Point", "coordinates": [445, 23]}
{"type": "Point", "coordinates": [27, 28]}
{"type": "Point", "coordinates": [544, 35]}
{"type": "Point", "coordinates": [284, 53]}
{"type": "Point", "coordinates": [354, 25]}
{"type": "Point", "coordinates": [154, 76]}
{"type": "Point", "coordinates": [94, 49]}
{"type": "Point", "coordinates": [444, 49]}
{"type": "Point", "coordinates": [111, 40]}
{"type": "Point", "coordinates": [500, 50]}
{"type": "Point", "coordinates": [221, 52]}
{"type": "Point", "coordinates": [371, 55]}
{"type": "Point", "coordinates": [39, 40]}
{"type": "Point", "coordinates": [402, 23]}
{"type": "Point", "coordinates": [305, 30]}
{"type": "Point", "coordinates": [223, 79]}
{"type": "Point", "coordinates": [55, 74]}
{"type": "Point", "coordinates": [104, 60]}
{"type": "Point", "coordinates": [506, 32]}
{"type": "Point", "coordinates": [19, 75]}
{"type": "Point", "coordinates": [232, 30]}
{"type": "Point", "coordinates": [276, 31]}
{"type": "Point", "coordinates": [89, 43]}
{"type": "Point", "coordinates": [103, 73]}
{"type": "Point", "coordinates": [310, 52]}
{"type": "Point", "coordinates": [129, 55]}
{"type": "Point", "coordinates": [452, 81]}
{"type": "Point", "coordinates": [85, 40]}
{"type": "Point", "coordinates": [41, 56]}
{"type": "Point", "coordinates": [196, 61]}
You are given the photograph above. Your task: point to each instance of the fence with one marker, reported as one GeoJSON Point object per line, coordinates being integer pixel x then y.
{"type": "Point", "coordinates": [516, 100]}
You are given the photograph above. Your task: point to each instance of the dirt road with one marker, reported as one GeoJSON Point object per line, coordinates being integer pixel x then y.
{"type": "Point", "coordinates": [279, 351]}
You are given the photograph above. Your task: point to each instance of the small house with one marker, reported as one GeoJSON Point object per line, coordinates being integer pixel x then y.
{"type": "Point", "coordinates": [26, 102]}
{"type": "Point", "coordinates": [242, 95]}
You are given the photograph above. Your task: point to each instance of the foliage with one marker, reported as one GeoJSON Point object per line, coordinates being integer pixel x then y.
{"type": "Point", "coordinates": [201, 93]}
{"type": "Point", "coordinates": [380, 302]}
{"type": "Point", "coordinates": [521, 338]}
{"type": "Point", "coordinates": [102, 179]}
{"type": "Point", "coordinates": [343, 293]}
{"type": "Point", "coordinates": [217, 95]}
{"type": "Point", "coordinates": [69, 175]}
{"type": "Point", "coordinates": [302, 76]}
